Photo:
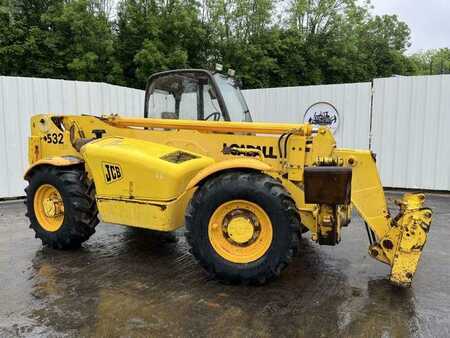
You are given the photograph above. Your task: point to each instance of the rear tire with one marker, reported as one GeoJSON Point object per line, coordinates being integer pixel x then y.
{"type": "Point", "coordinates": [242, 256]}
{"type": "Point", "coordinates": [79, 208]}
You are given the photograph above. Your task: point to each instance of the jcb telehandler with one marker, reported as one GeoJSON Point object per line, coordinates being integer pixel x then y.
{"type": "Point", "coordinates": [245, 191]}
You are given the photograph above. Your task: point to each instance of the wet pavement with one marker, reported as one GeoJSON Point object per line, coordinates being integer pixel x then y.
{"type": "Point", "coordinates": [127, 282]}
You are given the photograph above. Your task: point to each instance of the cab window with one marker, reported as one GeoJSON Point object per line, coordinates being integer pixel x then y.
{"type": "Point", "coordinates": [185, 96]}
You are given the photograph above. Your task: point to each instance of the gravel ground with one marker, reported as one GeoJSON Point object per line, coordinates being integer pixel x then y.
{"type": "Point", "coordinates": [131, 283]}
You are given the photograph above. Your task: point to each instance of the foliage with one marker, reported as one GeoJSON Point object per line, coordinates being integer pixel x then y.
{"type": "Point", "coordinates": [158, 35]}
{"type": "Point", "coordinates": [269, 42]}
{"type": "Point", "coordinates": [435, 61]}
{"type": "Point", "coordinates": [57, 38]}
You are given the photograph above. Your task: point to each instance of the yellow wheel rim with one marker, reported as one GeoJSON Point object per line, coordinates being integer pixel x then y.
{"type": "Point", "coordinates": [240, 231]}
{"type": "Point", "coordinates": [48, 207]}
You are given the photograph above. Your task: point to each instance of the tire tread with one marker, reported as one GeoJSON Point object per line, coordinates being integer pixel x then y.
{"type": "Point", "coordinates": [259, 182]}
{"type": "Point", "coordinates": [80, 200]}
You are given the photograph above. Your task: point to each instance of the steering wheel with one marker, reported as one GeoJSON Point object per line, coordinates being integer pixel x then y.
{"type": "Point", "coordinates": [216, 116]}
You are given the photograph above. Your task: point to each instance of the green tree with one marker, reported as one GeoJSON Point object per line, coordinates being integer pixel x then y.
{"type": "Point", "coordinates": [83, 38]}
{"type": "Point", "coordinates": [433, 61]}
{"type": "Point", "coordinates": [343, 42]}
{"type": "Point", "coordinates": [243, 36]}
{"type": "Point", "coordinates": [159, 35]}
{"type": "Point", "coordinates": [24, 48]}
{"type": "Point", "coordinates": [269, 42]}
{"type": "Point", "coordinates": [57, 38]}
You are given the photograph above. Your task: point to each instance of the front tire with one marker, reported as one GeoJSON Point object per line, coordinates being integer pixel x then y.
{"type": "Point", "coordinates": [242, 227]}
{"type": "Point", "coordinates": [61, 206]}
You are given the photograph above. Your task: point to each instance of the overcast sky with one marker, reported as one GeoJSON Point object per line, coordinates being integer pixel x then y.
{"type": "Point", "coordinates": [429, 20]}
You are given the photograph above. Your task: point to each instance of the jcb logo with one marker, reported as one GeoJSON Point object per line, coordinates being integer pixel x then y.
{"type": "Point", "coordinates": [112, 172]}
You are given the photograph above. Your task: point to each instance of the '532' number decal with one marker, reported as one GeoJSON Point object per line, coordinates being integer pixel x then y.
{"type": "Point", "coordinates": [55, 138]}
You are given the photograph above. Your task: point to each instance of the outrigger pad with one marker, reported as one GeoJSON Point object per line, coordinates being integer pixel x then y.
{"type": "Point", "coordinates": [328, 185]}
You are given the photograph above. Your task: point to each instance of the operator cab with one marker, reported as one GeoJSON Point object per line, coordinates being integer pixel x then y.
{"type": "Point", "coordinates": [195, 94]}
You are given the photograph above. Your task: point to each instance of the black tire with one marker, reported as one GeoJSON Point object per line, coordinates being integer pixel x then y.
{"type": "Point", "coordinates": [257, 188]}
{"type": "Point", "coordinates": [80, 208]}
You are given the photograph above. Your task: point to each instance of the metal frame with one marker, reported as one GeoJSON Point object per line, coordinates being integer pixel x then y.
{"type": "Point", "coordinates": [220, 100]}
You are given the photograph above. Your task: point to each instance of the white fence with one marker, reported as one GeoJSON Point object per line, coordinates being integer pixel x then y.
{"type": "Point", "coordinates": [20, 98]}
{"type": "Point", "coordinates": [410, 120]}
{"type": "Point", "coordinates": [289, 104]}
{"type": "Point", "coordinates": [411, 131]}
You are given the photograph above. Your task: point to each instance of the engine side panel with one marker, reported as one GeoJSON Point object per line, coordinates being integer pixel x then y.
{"type": "Point", "coordinates": [140, 183]}
{"type": "Point", "coordinates": [162, 216]}
{"type": "Point", "coordinates": [126, 168]}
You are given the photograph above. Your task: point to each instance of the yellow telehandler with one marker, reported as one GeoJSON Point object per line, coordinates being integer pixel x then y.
{"type": "Point", "coordinates": [245, 191]}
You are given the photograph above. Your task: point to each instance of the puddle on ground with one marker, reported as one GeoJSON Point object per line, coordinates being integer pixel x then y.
{"type": "Point", "coordinates": [131, 283]}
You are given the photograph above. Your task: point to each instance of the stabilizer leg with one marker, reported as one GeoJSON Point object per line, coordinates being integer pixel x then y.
{"type": "Point", "coordinates": [403, 244]}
